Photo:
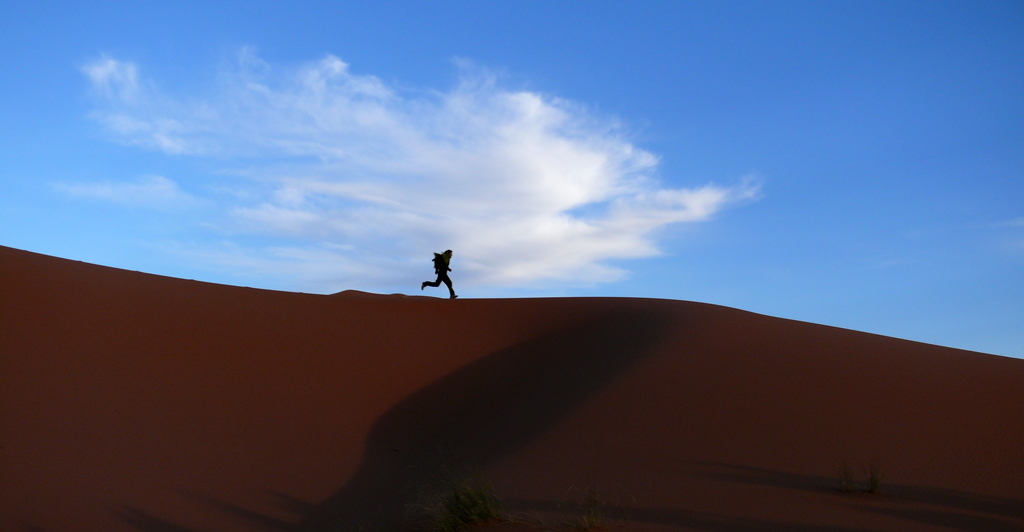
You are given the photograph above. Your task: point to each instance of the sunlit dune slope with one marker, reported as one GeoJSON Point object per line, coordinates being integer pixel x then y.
{"type": "Point", "coordinates": [131, 401]}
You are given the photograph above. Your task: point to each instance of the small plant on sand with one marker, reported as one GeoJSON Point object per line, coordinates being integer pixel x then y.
{"type": "Point", "coordinates": [464, 502]}
{"type": "Point", "coordinates": [592, 510]}
{"type": "Point", "coordinates": [846, 481]}
{"type": "Point", "coordinates": [588, 515]}
{"type": "Point", "coordinates": [874, 479]}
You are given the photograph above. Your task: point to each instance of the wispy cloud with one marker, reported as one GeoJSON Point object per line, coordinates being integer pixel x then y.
{"type": "Point", "coordinates": [148, 192]}
{"type": "Point", "coordinates": [113, 79]}
{"type": "Point", "coordinates": [1013, 235]}
{"type": "Point", "coordinates": [1016, 222]}
{"type": "Point", "coordinates": [525, 187]}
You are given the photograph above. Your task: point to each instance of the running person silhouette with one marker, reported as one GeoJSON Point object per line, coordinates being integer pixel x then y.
{"type": "Point", "coordinates": [441, 261]}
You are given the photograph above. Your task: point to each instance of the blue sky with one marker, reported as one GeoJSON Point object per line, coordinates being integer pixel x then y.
{"type": "Point", "coordinates": [855, 164]}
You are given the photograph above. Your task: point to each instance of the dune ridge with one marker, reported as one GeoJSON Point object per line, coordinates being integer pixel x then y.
{"type": "Point", "coordinates": [131, 402]}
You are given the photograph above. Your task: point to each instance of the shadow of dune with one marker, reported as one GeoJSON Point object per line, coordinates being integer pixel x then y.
{"type": "Point", "coordinates": [957, 510]}
{"type": "Point", "coordinates": [964, 522]}
{"type": "Point", "coordinates": [951, 500]}
{"type": "Point", "coordinates": [481, 412]}
{"type": "Point", "coordinates": [144, 521]}
{"type": "Point", "coordinates": [466, 420]}
{"type": "Point", "coordinates": [767, 477]}
{"type": "Point", "coordinates": [626, 517]}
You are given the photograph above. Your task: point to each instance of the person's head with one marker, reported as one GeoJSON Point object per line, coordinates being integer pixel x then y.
{"type": "Point", "coordinates": [448, 253]}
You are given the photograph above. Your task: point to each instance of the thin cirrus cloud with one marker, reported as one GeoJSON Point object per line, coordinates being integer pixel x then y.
{"type": "Point", "coordinates": [525, 187]}
{"type": "Point", "coordinates": [1016, 222]}
{"type": "Point", "coordinates": [155, 192]}
{"type": "Point", "coordinates": [1015, 241]}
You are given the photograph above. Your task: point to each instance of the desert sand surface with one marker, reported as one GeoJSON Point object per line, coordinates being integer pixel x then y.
{"type": "Point", "coordinates": [135, 402]}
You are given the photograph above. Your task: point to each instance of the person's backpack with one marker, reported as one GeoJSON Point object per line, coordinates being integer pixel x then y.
{"type": "Point", "coordinates": [439, 264]}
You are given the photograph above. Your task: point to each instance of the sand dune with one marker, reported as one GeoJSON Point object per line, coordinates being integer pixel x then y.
{"type": "Point", "coordinates": [134, 402]}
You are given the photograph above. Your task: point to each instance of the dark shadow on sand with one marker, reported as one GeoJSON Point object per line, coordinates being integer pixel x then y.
{"type": "Point", "coordinates": [953, 509]}
{"type": "Point", "coordinates": [949, 503]}
{"type": "Point", "coordinates": [674, 517]}
{"type": "Point", "coordinates": [464, 421]}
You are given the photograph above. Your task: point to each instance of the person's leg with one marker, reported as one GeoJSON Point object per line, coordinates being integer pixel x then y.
{"type": "Point", "coordinates": [435, 284]}
{"type": "Point", "coordinates": [448, 283]}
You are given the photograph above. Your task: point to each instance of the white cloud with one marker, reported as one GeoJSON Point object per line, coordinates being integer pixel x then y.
{"type": "Point", "coordinates": [524, 187]}
{"type": "Point", "coordinates": [150, 192]}
{"type": "Point", "coordinates": [112, 79]}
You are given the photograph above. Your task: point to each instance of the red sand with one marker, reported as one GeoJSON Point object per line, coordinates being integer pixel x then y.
{"type": "Point", "coordinates": [136, 402]}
